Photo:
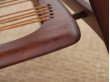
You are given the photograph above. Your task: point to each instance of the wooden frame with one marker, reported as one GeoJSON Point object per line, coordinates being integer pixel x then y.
{"type": "Point", "coordinates": [54, 34]}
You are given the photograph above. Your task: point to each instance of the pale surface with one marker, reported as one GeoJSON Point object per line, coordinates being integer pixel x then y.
{"type": "Point", "coordinates": [86, 61]}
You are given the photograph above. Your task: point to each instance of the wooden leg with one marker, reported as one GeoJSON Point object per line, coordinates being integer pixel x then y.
{"type": "Point", "coordinates": [101, 11]}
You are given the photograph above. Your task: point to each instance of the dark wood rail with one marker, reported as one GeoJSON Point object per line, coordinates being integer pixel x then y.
{"type": "Point", "coordinates": [55, 34]}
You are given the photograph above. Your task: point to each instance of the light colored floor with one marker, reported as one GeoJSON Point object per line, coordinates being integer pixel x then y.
{"type": "Point", "coordinates": [86, 61]}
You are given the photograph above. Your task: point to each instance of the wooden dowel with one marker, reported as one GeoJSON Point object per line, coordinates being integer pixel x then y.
{"type": "Point", "coordinates": [34, 14]}
{"type": "Point", "coordinates": [40, 17]}
{"type": "Point", "coordinates": [1, 3]}
{"type": "Point", "coordinates": [14, 3]}
{"type": "Point", "coordinates": [39, 7]}
{"type": "Point", "coordinates": [25, 24]}
{"type": "Point", "coordinates": [22, 16]}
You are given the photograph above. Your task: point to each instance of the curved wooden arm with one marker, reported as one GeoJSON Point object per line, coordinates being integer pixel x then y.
{"type": "Point", "coordinates": [54, 34]}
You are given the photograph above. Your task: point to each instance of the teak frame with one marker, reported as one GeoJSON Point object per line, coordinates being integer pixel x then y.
{"type": "Point", "coordinates": [54, 34]}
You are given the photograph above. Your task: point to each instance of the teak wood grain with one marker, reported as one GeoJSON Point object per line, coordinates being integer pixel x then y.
{"type": "Point", "coordinates": [54, 34]}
